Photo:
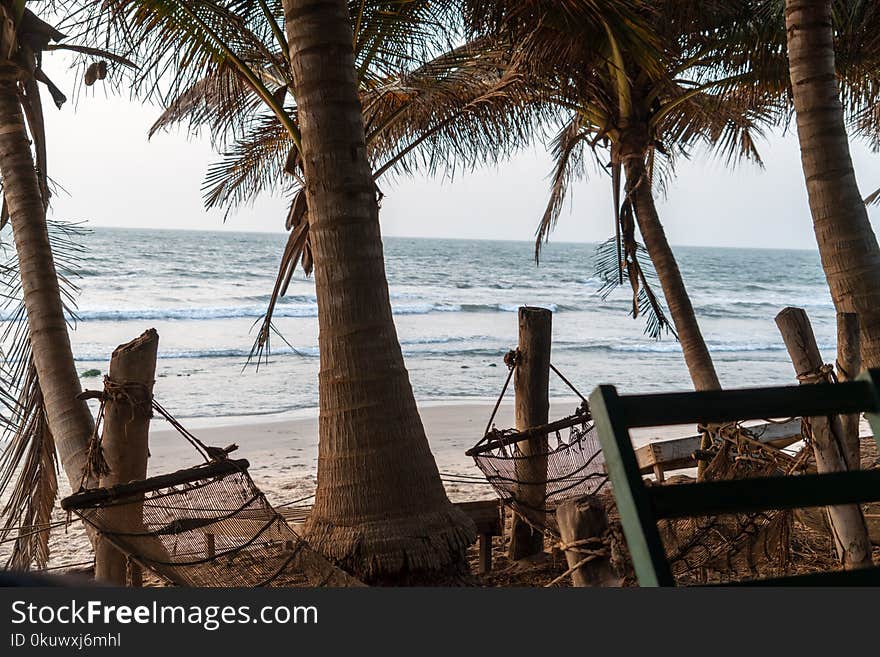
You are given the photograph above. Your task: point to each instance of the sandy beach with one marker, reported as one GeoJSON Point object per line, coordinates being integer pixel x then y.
{"type": "Point", "coordinates": [283, 452]}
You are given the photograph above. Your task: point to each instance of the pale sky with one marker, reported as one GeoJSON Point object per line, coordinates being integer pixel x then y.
{"type": "Point", "coordinates": [99, 152]}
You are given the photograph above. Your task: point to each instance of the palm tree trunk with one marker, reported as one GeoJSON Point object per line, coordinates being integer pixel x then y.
{"type": "Point", "coordinates": [380, 508]}
{"type": "Point", "coordinates": [70, 421]}
{"type": "Point", "coordinates": [847, 244]}
{"type": "Point", "coordinates": [693, 346]}
{"type": "Point", "coordinates": [696, 354]}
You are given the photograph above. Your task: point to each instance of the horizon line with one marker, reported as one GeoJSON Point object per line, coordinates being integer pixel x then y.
{"type": "Point", "coordinates": [422, 237]}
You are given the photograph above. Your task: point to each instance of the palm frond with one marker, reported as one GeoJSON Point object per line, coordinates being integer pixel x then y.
{"type": "Point", "coordinates": [28, 464]}
{"type": "Point", "coordinates": [640, 277]}
{"type": "Point", "coordinates": [565, 36]}
{"type": "Point", "coordinates": [253, 165]}
{"type": "Point", "coordinates": [29, 451]}
{"type": "Point", "coordinates": [221, 100]}
{"type": "Point", "coordinates": [297, 250]}
{"type": "Point", "coordinates": [568, 151]}
{"type": "Point", "coordinates": [465, 108]}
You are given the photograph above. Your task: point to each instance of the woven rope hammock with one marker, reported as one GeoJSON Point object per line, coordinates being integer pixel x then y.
{"type": "Point", "coordinates": [730, 545]}
{"type": "Point", "coordinates": [574, 463]}
{"type": "Point", "coordinates": [205, 526]}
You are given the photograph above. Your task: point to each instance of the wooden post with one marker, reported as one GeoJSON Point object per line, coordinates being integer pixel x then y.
{"type": "Point", "coordinates": [847, 522]}
{"type": "Point", "coordinates": [580, 520]}
{"type": "Point", "coordinates": [127, 415]}
{"type": "Point", "coordinates": [210, 546]}
{"type": "Point", "coordinates": [485, 553]}
{"type": "Point", "coordinates": [659, 473]}
{"type": "Point", "coordinates": [532, 390]}
{"type": "Point", "coordinates": [849, 364]}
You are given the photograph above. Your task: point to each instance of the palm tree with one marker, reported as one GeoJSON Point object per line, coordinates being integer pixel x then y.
{"type": "Point", "coordinates": [640, 104]}
{"type": "Point", "coordinates": [415, 119]}
{"type": "Point", "coordinates": [548, 44]}
{"type": "Point", "coordinates": [46, 412]}
{"type": "Point", "coordinates": [847, 243]}
{"type": "Point", "coordinates": [381, 509]}
{"type": "Point", "coordinates": [380, 506]}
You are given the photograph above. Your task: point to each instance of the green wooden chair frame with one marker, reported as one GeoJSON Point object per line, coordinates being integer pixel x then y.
{"type": "Point", "coordinates": [641, 506]}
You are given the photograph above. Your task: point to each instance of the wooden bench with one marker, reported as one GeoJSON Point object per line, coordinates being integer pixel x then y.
{"type": "Point", "coordinates": [486, 515]}
{"type": "Point", "coordinates": [641, 506]}
{"type": "Point", "coordinates": [659, 457]}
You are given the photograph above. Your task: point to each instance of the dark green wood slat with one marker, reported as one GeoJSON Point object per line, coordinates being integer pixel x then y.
{"type": "Point", "coordinates": [873, 377]}
{"type": "Point", "coordinates": [640, 506]}
{"type": "Point", "coordinates": [747, 404]}
{"type": "Point", "coordinates": [633, 504]}
{"type": "Point", "coordinates": [750, 495]}
{"type": "Point", "coordinates": [862, 577]}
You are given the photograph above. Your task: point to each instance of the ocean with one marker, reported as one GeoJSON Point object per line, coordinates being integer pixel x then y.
{"type": "Point", "coordinates": [455, 307]}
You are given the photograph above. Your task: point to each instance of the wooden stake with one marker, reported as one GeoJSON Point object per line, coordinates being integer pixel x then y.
{"type": "Point", "coordinates": [125, 443]}
{"type": "Point", "coordinates": [849, 364]}
{"type": "Point", "coordinates": [532, 390]}
{"type": "Point", "coordinates": [580, 520]}
{"type": "Point", "coordinates": [211, 546]}
{"type": "Point", "coordinates": [485, 541]}
{"type": "Point", "coordinates": [847, 523]}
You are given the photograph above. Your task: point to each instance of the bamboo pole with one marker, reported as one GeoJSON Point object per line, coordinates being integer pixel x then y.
{"type": "Point", "coordinates": [532, 391]}
{"type": "Point", "coordinates": [849, 364]}
{"type": "Point", "coordinates": [127, 411]}
{"type": "Point", "coordinates": [847, 522]}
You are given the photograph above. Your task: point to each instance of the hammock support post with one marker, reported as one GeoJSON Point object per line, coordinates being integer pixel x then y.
{"type": "Point", "coordinates": [127, 412]}
{"type": "Point", "coordinates": [828, 440]}
{"type": "Point", "coordinates": [532, 393]}
{"type": "Point", "coordinates": [849, 364]}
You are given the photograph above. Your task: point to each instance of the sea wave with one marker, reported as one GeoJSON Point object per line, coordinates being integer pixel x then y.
{"type": "Point", "coordinates": [309, 352]}
{"type": "Point", "coordinates": [305, 306]}
{"type": "Point", "coordinates": [477, 346]}
{"type": "Point", "coordinates": [290, 310]}
{"type": "Point", "coordinates": [284, 310]}
{"type": "Point", "coordinates": [724, 347]}
{"type": "Point", "coordinates": [195, 313]}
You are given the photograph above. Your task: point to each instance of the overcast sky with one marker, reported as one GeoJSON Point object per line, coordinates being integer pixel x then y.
{"type": "Point", "coordinates": [99, 152]}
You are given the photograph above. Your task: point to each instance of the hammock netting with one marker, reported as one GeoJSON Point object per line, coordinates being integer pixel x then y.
{"type": "Point", "coordinates": [206, 526]}
{"type": "Point", "coordinates": [533, 475]}
{"type": "Point", "coordinates": [574, 468]}
{"type": "Point", "coordinates": [739, 545]}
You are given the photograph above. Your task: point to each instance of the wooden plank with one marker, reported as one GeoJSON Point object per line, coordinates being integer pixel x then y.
{"type": "Point", "coordinates": [752, 495]}
{"type": "Point", "coordinates": [678, 453]}
{"type": "Point", "coordinates": [633, 503]}
{"type": "Point", "coordinates": [486, 515]}
{"type": "Point", "coordinates": [746, 404]}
